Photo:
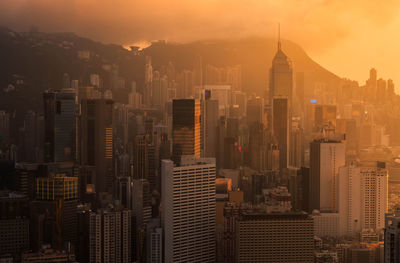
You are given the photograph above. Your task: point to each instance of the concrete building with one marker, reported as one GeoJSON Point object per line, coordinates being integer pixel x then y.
{"type": "Point", "coordinates": [392, 238]}
{"type": "Point", "coordinates": [141, 202]}
{"type": "Point", "coordinates": [326, 157]}
{"type": "Point", "coordinates": [53, 213]}
{"type": "Point", "coordinates": [110, 236]}
{"type": "Point", "coordinates": [60, 125]}
{"type": "Point", "coordinates": [221, 93]}
{"type": "Point", "coordinates": [281, 128]}
{"type": "Point", "coordinates": [326, 224]}
{"type": "Point", "coordinates": [154, 239]}
{"type": "Point", "coordinates": [4, 127]}
{"type": "Point", "coordinates": [274, 237]}
{"type": "Point", "coordinates": [326, 256]}
{"type": "Point", "coordinates": [14, 224]}
{"type": "Point", "coordinates": [363, 197]}
{"type": "Point", "coordinates": [188, 216]}
{"type": "Point", "coordinates": [210, 122]}
{"type": "Point", "coordinates": [96, 140]}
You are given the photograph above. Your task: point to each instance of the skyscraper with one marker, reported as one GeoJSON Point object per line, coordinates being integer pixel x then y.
{"type": "Point", "coordinates": [392, 238]}
{"type": "Point", "coordinates": [14, 224]}
{"type": "Point", "coordinates": [109, 235]}
{"type": "Point", "coordinates": [255, 110]}
{"type": "Point", "coordinates": [296, 142]}
{"type": "Point", "coordinates": [141, 202]}
{"type": "Point", "coordinates": [325, 159]}
{"type": "Point", "coordinates": [198, 71]}
{"type": "Point", "coordinates": [140, 157]}
{"type": "Point", "coordinates": [210, 127]}
{"type": "Point", "coordinates": [257, 147]}
{"type": "Point", "coordinates": [281, 129]}
{"type": "Point", "coordinates": [188, 216]}
{"type": "Point", "coordinates": [56, 203]}
{"type": "Point", "coordinates": [154, 240]}
{"type": "Point", "coordinates": [325, 117]}
{"type": "Point", "coordinates": [362, 197]}
{"type": "Point", "coordinates": [4, 127]}
{"type": "Point", "coordinates": [281, 76]}
{"type": "Point", "coordinates": [60, 128]}
{"type": "Point", "coordinates": [186, 128]}
{"type": "Point", "coordinates": [96, 132]}
{"type": "Point", "coordinates": [280, 97]}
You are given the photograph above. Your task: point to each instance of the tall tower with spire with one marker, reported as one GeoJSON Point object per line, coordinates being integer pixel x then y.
{"type": "Point", "coordinates": [280, 98]}
{"type": "Point", "coordinates": [281, 74]}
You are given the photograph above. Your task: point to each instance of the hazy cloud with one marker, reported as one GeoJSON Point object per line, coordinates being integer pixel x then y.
{"type": "Point", "coordinates": [316, 24]}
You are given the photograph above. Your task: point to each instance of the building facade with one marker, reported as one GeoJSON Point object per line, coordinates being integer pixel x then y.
{"type": "Point", "coordinates": [188, 193]}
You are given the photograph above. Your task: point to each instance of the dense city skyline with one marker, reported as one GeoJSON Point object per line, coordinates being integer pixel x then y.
{"type": "Point", "coordinates": [221, 151]}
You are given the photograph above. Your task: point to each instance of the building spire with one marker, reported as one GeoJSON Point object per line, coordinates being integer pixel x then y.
{"type": "Point", "coordinates": [279, 36]}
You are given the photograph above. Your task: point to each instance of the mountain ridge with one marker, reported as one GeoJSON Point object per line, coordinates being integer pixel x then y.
{"type": "Point", "coordinates": [41, 59]}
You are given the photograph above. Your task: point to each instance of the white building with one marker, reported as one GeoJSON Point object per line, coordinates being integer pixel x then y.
{"type": "Point", "coordinates": [154, 241]}
{"type": "Point", "coordinates": [363, 197]}
{"type": "Point", "coordinates": [188, 210]}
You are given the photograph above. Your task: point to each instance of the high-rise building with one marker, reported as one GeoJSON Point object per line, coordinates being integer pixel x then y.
{"type": "Point", "coordinates": [272, 157]}
{"type": "Point", "coordinates": [109, 235]}
{"type": "Point", "coordinates": [56, 202]}
{"type": "Point", "coordinates": [371, 85]}
{"type": "Point", "coordinates": [392, 238]}
{"type": "Point", "coordinates": [14, 224]}
{"type": "Point", "coordinates": [198, 71]}
{"type": "Point", "coordinates": [60, 125]}
{"type": "Point", "coordinates": [4, 127]}
{"type": "Point", "coordinates": [281, 76]}
{"type": "Point", "coordinates": [363, 197]}
{"type": "Point", "coordinates": [140, 157]}
{"type": "Point", "coordinates": [239, 98]}
{"type": "Point", "coordinates": [31, 138]}
{"type": "Point", "coordinates": [224, 75]}
{"type": "Point", "coordinates": [296, 142]}
{"type": "Point", "coordinates": [186, 128]}
{"type": "Point", "coordinates": [96, 140]}
{"type": "Point", "coordinates": [325, 118]}
{"type": "Point", "coordinates": [57, 187]}
{"type": "Point", "coordinates": [281, 128]}
{"type": "Point", "coordinates": [255, 110]}
{"type": "Point", "coordinates": [326, 225]}
{"type": "Point", "coordinates": [326, 156]}
{"type": "Point", "coordinates": [141, 202]}
{"type": "Point", "coordinates": [188, 216]}
{"type": "Point", "coordinates": [222, 93]}
{"type": "Point", "coordinates": [152, 177]}
{"type": "Point", "coordinates": [210, 122]}
{"type": "Point", "coordinates": [274, 237]}
{"type": "Point", "coordinates": [257, 147]}
{"type": "Point", "coordinates": [154, 239]}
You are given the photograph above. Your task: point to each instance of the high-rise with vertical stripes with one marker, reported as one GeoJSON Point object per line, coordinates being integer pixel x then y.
{"type": "Point", "coordinates": [188, 210]}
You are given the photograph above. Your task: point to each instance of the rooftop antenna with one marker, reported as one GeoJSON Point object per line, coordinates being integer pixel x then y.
{"type": "Point", "coordinates": [279, 36]}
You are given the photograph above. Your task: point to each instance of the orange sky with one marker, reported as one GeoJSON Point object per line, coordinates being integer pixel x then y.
{"type": "Point", "coordinates": [347, 37]}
